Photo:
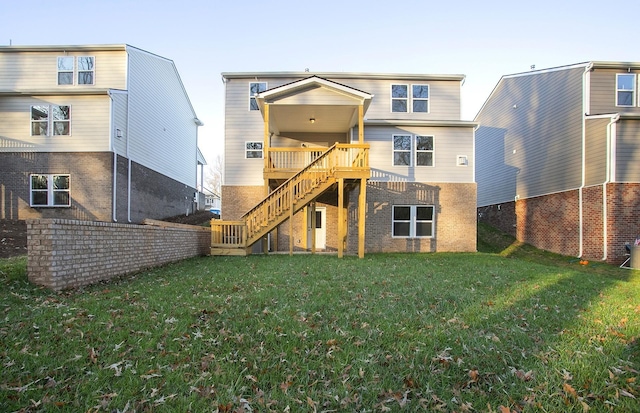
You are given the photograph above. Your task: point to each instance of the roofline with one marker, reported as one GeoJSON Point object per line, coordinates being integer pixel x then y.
{"type": "Point", "coordinates": [67, 92]}
{"type": "Point", "coordinates": [310, 80]}
{"type": "Point", "coordinates": [342, 75]}
{"type": "Point", "coordinates": [68, 48]}
{"type": "Point", "coordinates": [405, 122]}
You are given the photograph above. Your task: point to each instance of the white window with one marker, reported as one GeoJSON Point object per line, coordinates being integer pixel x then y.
{"type": "Point", "coordinates": [420, 98]}
{"type": "Point", "coordinates": [410, 150]}
{"type": "Point", "coordinates": [412, 221]}
{"type": "Point", "coordinates": [65, 70]}
{"type": "Point", "coordinates": [85, 70]}
{"type": "Point", "coordinates": [253, 150]}
{"type": "Point", "coordinates": [254, 89]}
{"type": "Point", "coordinates": [626, 89]}
{"type": "Point", "coordinates": [48, 190]}
{"type": "Point", "coordinates": [50, 120]}
{"type": "Point", "coordinates": [424, 150]}
{"type": "Point", "coordinates": [402, 150]}
{"type": "Point", "coordinates": [399, 98]}
{"type": "Point", "coordinates": [417, 102]}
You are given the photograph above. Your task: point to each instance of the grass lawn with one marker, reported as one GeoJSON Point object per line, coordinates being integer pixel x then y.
{"type": "Point", "coordinates": [513, 329]}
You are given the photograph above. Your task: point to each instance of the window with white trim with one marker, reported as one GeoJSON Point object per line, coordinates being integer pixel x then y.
{"type": "Point", "coordinates": [399, 98]}
{"type": "Point", "coordinates": [424, 150]}
{"type": "Point", "coordinates": [625, 89]}
{"type": "Point", "coordinates": [253, 150]}
{"type": "Point", "coordinates": [412, 221]}
{"type": "Point", "coordinates": [49, 190]}
{"type": "Point", "coordinates": [86, 65]}
{"type": "Point", "coordinates": [83, 66]}
{"type": "Point", "coordinates": [416, 102]}
{"type": "Point", "coordinates": [420, 98]}
{"type": "Point", "coordinates": [254, 89]}
{"type": "Point", "coordinates": [402, 150]}
{"type": "Point", "coordinates": [50, 120]}
{"type": "Point", "coordinates": [65, 70]}
{"type": "Point", "coordinates": [410, 150]}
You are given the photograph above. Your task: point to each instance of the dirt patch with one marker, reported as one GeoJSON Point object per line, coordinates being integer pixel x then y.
{"type": "Point", "coordinates": [13, 238]}
{"type": "Point", "coordinates": [197, 218]}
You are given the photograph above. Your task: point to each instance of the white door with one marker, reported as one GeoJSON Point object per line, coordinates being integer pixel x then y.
{"type": "Point", "coordinates": [321, 228]}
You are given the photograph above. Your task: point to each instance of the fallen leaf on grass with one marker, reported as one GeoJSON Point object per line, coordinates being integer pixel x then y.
{"type": "Point", "coordinates": [569, 390]}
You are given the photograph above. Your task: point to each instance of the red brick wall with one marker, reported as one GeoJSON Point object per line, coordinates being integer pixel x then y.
{"type": "Point", "coordinates": [552, 222]}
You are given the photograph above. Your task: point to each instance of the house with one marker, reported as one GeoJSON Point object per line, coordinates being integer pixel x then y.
{"type": "Point", "coordinates": [558, 158]}
{"type": "Point", "coordinates": [99, 133]}
{"type": "Point", "coordinates": [347, 163]}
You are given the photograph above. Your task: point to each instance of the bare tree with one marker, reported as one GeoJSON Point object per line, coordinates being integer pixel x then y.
{"type": "Point", "coordinates": [213, 179]}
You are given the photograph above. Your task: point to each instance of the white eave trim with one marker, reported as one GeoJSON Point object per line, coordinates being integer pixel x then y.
{"type": "Point", "coordinates": [342, 75]}
{"type": "Point", "coordinates": [403, 122]}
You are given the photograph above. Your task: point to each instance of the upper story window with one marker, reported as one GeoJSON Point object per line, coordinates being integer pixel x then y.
{"type": "Point", "coordinates": [65, 70]}
{"type": "Point", "coordinates": [399, 98]}
{"type": "Point", "coordinates": [85, 70]}
{"type": "Point", "coordinates": [50, 190]}
{"type": "Point", "coordinates": [49, 120]}
{"type": "Point", "coordinates": [420, 98]}
{"type": "Point", "coordinates": [626, 89]}
{"type": "Point", "coordinates": [410, 150]}
{"type": "Point", "coordinates": [417, 101]}
{"type": "Point", "coordinates": [253, 150]}
{"type": "Point", "coordinates": [82, 66]}
{"type": "Point", "coordinates": [254, 89]}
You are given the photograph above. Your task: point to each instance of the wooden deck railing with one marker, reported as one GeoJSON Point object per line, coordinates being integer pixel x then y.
{"type": "Point", "coordinates": [294, 193]}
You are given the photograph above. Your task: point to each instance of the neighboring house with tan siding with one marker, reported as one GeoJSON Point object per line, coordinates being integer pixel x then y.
{"type": "Point", "coordinates": [100, 133]}
{"type": "Point", "coordinates": [558, 158]}
{"type": "Point", "coordinates": [346, 162]}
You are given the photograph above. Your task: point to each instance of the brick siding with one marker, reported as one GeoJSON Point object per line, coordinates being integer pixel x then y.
{"type": "Point", "coordinates": [552, 222]}
{"type": "Point", "coordinates": [153, 195]}
{"type": "Point", "coordinates": [66, 254]}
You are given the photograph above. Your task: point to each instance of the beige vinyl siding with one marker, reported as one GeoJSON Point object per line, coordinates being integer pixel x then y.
{"type": "Point", "coordinates": [444, 98]}
{"type": "Point", "coordinates": [242, 125]}
{"type": "Point", "coordinates": [38, 70]}
{"type": "Point", "coordinates": [162, 132]}
{"type": "Point", "coordinates": [449, 142]}
{"type": "Point", "coordinates": [627, 154]}
{"type": "Point", "coordinates": [603, 92]}
{"type": "Point", "coordinates": [119, 110]}
{"type": "Point", "coordinates": [89, 124]}
{"type": "Point", "coordinates": [535, 120]}
{"type": "Point", "coordinates": [596, 153]}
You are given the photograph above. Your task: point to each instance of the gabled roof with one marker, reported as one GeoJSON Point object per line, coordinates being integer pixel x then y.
{"type": "Point", "coordinates": [313, 104]}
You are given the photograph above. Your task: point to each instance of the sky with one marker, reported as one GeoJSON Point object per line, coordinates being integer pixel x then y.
{"type": "Point", "coordinates": [482, 40]}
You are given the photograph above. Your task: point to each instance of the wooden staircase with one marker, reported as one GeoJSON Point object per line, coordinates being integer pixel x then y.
{"type": "Point", "coordinates": [347, 161]}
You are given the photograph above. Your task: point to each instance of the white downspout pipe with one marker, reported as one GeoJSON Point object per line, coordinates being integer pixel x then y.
{"type": "Point", "coordinates": [586, 96]}
{"type": "Point", "coordinates": [610, 176]}
{"type": "Point", "coordinates": [115, 161]}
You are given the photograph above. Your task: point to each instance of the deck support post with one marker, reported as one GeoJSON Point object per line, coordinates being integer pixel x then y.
{"type": "Point", "coordinates": [362, 213]}
{"type": "Point", "coordinates": [341, 226]}
{"type": "Point", "coordinates": [313, 227]}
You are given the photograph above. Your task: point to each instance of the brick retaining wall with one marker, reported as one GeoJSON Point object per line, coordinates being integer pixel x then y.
{"type": "Point", "coordinates": [64, 253]}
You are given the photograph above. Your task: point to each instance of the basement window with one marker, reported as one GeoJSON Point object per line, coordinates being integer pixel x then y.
{"type": "Point", "coordinates": [49, 190]}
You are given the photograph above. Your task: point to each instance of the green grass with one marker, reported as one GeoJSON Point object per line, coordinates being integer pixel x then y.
{"type": "Point", "coordinates": [514, 329]}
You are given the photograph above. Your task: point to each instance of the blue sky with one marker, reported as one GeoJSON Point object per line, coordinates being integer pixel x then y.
{"type": "Point", "coordinates": [482, 40]}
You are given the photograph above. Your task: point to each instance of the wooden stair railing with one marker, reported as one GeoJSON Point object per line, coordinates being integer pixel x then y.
{"type": "Point", "coordinates": [297, 192]}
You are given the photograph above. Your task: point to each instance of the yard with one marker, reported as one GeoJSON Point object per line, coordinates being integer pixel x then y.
{"type": "Point", "coordinates": [510, 330]}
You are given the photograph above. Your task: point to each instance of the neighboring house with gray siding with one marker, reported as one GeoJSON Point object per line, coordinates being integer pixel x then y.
{"type": "Point", "coordinates": [408, 181]}
{"type": "Point", "coordinates": [558, 158]}
{"type": "Point", "coordinates": [100, 133]}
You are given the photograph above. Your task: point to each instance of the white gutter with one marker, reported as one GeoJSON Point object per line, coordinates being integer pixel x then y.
{"type": "Point", "coordinates": [586, 85]}
{"type": "Point", "coordinates": [115, 160]}
{"type": "Point", "coordinates": [610, 176]}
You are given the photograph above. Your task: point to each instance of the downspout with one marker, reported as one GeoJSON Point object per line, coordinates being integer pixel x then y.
{"type": "Point", "coordinates": [127, 150]}
{"type": "Point", "coordinates": [115, 161]}
{"type": "Point", "coordinates": [586, 96]}
{"type": "Point", "coordinates": [610, 172]}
